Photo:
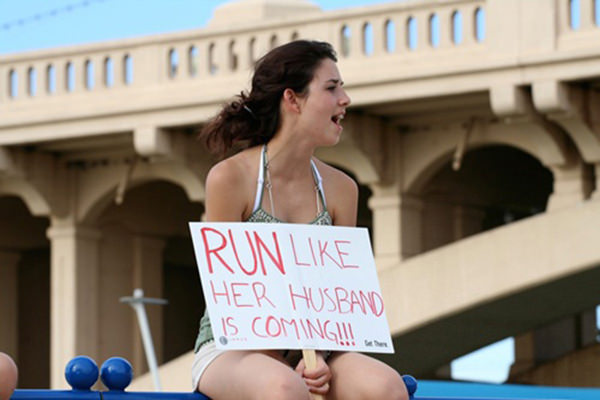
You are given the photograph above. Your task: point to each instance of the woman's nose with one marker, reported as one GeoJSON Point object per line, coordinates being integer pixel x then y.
{"type": "Point", "coordinates": [345, 100]}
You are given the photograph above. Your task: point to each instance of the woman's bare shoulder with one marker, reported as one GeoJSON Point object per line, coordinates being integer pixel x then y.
{"type": "Point", "coordinates": [229, 186]}
{"type": "Point", "coordinates": [341, 193]}
{"type": "Point", "coordinates": [336, 178]}
{"type": "Point", "coordinates": [234, 170]}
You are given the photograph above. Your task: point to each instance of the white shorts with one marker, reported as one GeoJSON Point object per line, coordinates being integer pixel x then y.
{"type": "Point", "coordinates": [205, 355]}
{"type": "Point", "coordinates": [209, 352]}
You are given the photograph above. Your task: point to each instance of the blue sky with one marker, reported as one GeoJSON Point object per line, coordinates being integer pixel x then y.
{"type": "Point", "coordinates": [37, 24]}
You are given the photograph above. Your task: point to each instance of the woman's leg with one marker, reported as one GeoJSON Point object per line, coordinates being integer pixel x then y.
{"type": "Point", "coordinates": [359, 377]}
{"type": "Point", "coordinates": [252, 375]}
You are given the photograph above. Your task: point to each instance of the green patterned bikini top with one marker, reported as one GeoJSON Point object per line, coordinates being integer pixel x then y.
{"type": "Point", "coordinates": [205, 333]}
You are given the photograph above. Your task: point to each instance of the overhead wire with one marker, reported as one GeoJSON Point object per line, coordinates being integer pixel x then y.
{"type": "Point", "coordinates": [55, 12]}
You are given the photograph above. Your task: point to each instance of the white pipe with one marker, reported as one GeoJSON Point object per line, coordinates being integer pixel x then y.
{"type": "Point", "coordinates": [137, 302]}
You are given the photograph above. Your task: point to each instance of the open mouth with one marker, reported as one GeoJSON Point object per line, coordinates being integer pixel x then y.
{"type": "Point", "coordinates": [337, 119]}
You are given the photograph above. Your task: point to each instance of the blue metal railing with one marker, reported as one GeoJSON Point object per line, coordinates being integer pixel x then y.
{"type": "Point", "coordinates": [116, 374]}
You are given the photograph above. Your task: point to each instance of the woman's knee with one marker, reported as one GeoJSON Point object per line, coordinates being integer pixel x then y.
{"type": "Point", "coordinates": [285, 386]}
{"type": "Point", "coordinates": [387, 386]}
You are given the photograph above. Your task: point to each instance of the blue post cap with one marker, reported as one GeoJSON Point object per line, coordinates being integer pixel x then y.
{"type": "Point", "coordinates": [81, 373]}
{"type": "Point", "coordinates": [411, 384]}
{"type": "Point", "coordinates": [116, 373]}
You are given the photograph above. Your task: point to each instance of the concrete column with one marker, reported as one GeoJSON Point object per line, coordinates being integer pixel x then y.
{"type": "Point", "coordinates": [524, 355]}
{"type": "Point", "coordinates": [41, 87]}
{"type": "Point", "coordinates": [98, 73]}
{"type": "Point", "coordinates": [22, 81]}
{"type": "Point", "coordinates": [379, 36]}
{"type": "Point", "coordinates": [5, 86]}
{"type": "Point", "coordinates": [572, 185]}
{"type": "Point", "coordinates": [73, 296]}
{"type": "Point", "coordinates": [468, 19]}
{"type": "Point", "coordinates": [243, 53]}
{"type": "Point", "coordinates": [423, 31]}
{"type": "Point", "coordinates": [9, 308]}
{"type": "Point", "coordinates": [396, 226]}
{"type": "Point", "coordinates": [356, 39]}
{"type": "Point", "coordinates": [596, 191]}
{"type": "Point", "coordinates": [588, 328]}
{"type": "Point", "coordinates": [538, 353]}
{"type": "Point", "coordinates": [556, 340]}
{"type": "Point", "coordinates": [148, 275]}
{"type": "Point", "coordinates": [467, 221]}
{"type": "Point", "coordinates": [60, 74]}
{"type": "Point", "coordinates": [445, 28]}
{"type": "Point", "coordinates": [118, 64]}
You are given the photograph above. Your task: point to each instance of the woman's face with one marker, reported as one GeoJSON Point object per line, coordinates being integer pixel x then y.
{"type": "Point", "coordinates": [324, 106]}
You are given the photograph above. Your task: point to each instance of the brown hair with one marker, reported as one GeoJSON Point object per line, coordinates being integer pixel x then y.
{"type": "Point", "coordinates": [252, 119]}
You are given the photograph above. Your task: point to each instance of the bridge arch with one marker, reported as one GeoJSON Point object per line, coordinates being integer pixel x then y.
{"type": "Point", "coordinates": [102, 187]}
{"type": "Point", "coordinates": [425, 153]}
{"type": "Point", "coordinates": [33, 198]}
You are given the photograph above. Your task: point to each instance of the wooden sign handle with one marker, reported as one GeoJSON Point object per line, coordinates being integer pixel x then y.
{"type": "Point", "coordinates": [310, 362]}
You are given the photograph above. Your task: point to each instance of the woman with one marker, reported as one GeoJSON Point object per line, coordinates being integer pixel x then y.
{"type": "Point", "coordinates": [296, 105]}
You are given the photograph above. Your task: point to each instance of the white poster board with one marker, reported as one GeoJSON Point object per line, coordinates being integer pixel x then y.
{"type": "Point", "coordinates": [291, 286]}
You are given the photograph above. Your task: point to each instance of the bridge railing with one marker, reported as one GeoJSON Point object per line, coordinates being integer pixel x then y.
{"type": "Point", "coordinates": [406, 41]}
{"type": "Point", "coordinates": [411, 27]}
{"type": "Point", "coordinates": [578, 22]}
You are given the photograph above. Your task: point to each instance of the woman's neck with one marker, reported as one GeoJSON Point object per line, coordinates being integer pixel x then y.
{"type": "Point", "coordinates": [289, 158]}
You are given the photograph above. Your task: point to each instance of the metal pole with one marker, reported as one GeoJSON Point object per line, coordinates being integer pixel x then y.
{"type": "Point", "coordinates": [137, 302]}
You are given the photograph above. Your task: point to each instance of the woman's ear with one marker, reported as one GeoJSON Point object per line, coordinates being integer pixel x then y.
{"type": "Point", "coordinates": [291, 100]}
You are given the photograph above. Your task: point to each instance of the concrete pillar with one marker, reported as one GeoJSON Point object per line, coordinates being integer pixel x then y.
{"type": "Point", "coordinates": [396, 225]}
{"type": "Point", "coordinates": [148, 275]}
{"type": "Point", "coordinates": [596, 187]}
{"type": "Point", "coordinates": [467, 221]}
{"type": "Point", "coordinates": [572, 185]}
{"type": "Point", "coordinates": [524, 355]}
{"type": "Point", "coordinates": [588, 328]}
{"type": "Point", "coordinates": [555, 340]}
{"type": "Point", "coordinates": [9, 308]}
{"type": "Point", "coordinates": [542, 346]}
{"type": "Point", "coordinates": [73, 296]}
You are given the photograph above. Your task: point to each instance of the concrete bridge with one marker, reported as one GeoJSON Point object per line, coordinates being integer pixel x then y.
{"type": "Point", "coordinates": [474, 133]}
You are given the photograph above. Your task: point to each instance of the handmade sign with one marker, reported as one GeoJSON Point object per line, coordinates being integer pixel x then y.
{"type": "Point", "coordinates": [291, 286]}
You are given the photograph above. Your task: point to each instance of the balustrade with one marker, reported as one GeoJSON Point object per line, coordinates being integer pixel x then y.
{"type": "Point", "coordinates": [388, 30]}
{"type": "Point", "coordinates": [205, 54]}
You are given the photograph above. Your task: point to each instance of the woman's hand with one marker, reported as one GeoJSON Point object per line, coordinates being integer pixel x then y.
{"type": "Point", "coordinates": [316, 379]}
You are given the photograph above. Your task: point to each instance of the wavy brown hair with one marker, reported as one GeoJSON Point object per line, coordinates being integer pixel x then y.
{"type": "Point", "coordinates": [253, 118]}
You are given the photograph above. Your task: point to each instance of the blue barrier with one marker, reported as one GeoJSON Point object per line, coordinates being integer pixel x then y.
{"type": "Point", "coordinates": [116, 374]}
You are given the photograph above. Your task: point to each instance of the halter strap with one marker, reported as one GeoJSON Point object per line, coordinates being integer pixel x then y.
{"type": "Point", "coordinates": [260, 181]}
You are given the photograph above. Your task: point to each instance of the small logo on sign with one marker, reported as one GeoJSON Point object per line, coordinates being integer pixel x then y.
{"type": "Point", "coordinates": [223, 340]}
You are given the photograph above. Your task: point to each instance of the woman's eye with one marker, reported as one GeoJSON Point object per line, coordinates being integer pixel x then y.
{"type": "Point", "coordinates": [332, 88]}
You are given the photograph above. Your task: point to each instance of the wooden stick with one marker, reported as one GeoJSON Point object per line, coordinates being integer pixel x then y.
{"type": "Point", "coordinates": [310, 362]}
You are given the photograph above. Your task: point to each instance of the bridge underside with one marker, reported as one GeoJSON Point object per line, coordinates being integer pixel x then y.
{"type": "Point", "coordinates": [421, 351]}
